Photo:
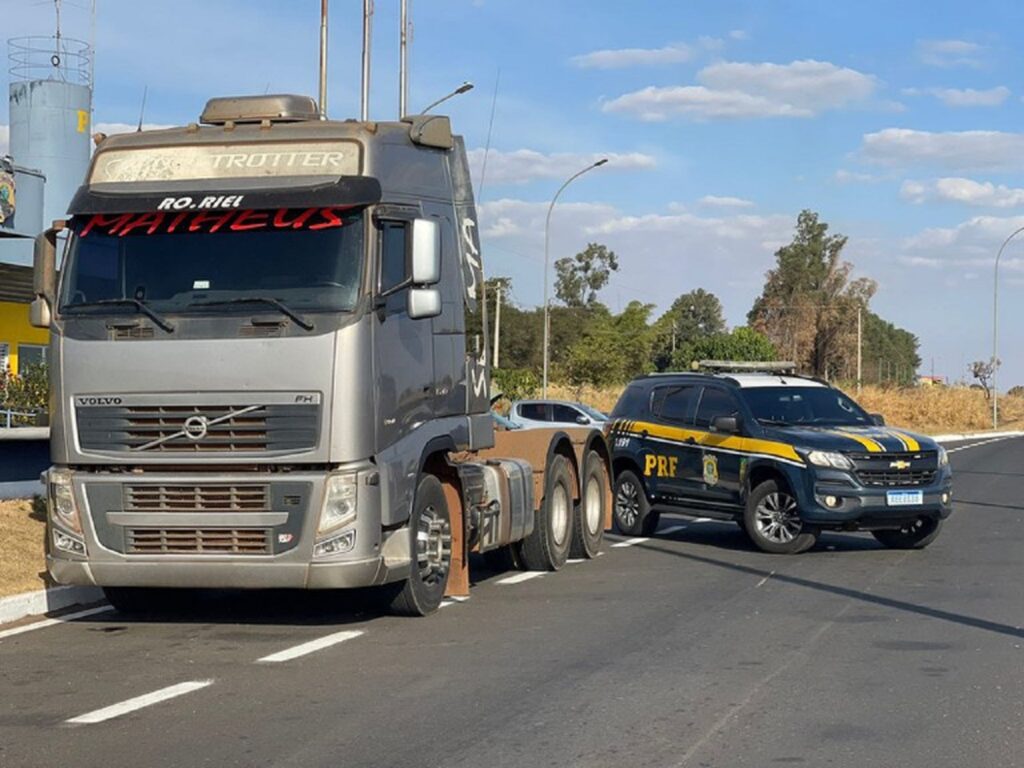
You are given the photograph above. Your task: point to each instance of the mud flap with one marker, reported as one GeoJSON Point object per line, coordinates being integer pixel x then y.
{"type": "Point", "coordinates": [458, 578]}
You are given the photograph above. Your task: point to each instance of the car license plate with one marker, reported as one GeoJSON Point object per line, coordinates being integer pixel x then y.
{"type": "Point", "coordinates": [904, 498]}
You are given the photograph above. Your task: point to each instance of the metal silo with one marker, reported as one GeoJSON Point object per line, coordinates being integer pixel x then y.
{"type": "Point", "coordinates": [50, 114]}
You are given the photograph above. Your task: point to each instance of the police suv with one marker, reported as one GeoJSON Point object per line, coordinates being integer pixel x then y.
{"type": "Point", "coordinates": [784, 456]}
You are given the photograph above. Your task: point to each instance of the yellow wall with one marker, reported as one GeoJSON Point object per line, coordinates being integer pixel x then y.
{"type": "Point", "coordinates": [15, 329]}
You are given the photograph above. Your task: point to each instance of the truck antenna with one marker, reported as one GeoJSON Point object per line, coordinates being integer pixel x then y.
{"type": "Point", "coordinates": [323, 60]}
{"type": "Point", "coordinates": [487, 146]}
{"type": "Point", "coordinates": [142, 109]}
{"type": "Point", "coordinates": [403, 60]}
{"type": "Point", "coordinates": [364, 110]}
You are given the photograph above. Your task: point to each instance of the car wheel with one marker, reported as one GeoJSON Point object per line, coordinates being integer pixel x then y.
{"type": "Point", "coordinates": [772, 520]}
{"type": "Point", "coordinates": [588, 528]}
{"type": "Point", "coordinates": [631, 511]}
{"type": "Point", "coordinates": [431, 531]}
{"type": "Point", "coordinates": [917, 535]}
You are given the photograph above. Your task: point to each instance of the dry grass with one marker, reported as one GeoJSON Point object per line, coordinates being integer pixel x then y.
{"type": "Point", "coordinates": [929, 410]}
{"type": "Point", "coordinates": [22, 532]}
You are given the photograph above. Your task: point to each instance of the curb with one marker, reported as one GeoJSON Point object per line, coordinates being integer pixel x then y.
{"type": "Point", "coordinates": [975, 435]}
{"type": "Point", "coordinates": [44, 601]}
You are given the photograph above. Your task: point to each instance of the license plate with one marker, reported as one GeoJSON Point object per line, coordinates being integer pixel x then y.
{"type": "Point", "coordinates": [904, 498]}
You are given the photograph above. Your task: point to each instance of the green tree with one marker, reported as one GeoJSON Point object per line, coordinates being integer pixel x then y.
{"type": "Point", "coordinates": [693, 315]}
{"type": "Point", "coordinates": [809, 304]}
{"type": "Point", "coordinates": [595, 357]}
{"type": "Point", "coordinates": [741, 345]}
{"type": "Point", "coordinates": [635, 339]}
{"type": "Point", "coordinates": [890, 353]}
{"type": "Point", "coordinates": [578, 278]}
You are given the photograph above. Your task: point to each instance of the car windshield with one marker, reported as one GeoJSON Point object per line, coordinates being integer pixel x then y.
{"type": "Point", "coordinates": [820, 406]}
{"type": "Point", "coordinates": [306, 259]}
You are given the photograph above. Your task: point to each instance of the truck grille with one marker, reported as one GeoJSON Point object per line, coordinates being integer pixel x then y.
{"type": "Point", "coordinates": [197, 498]}
{"type": "Point", "coordinates": [199, 429]}
{"type": "Point", "coordinates": [890, 470]}
{"type": "Point", "coordinates": [198, 541]}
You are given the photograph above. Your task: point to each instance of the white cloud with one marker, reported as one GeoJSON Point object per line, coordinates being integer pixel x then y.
{"type": "Point", "coordinates": [524, 165]}
{"type": "Point", "coordinates": [739, 34]}
{"type": "Point", "coordinates": [618, 58]}
{"type": "Point", "coordinates": [952, 150]}
{"type": "Point", "coordinates": [741, 90]}
{"type": "Point", "coordinates": [960, 190]}
{"type": "Point", "coordinates": [969, 97]}
{"type": "Point", "coordinates": [950, 53]}
{"type": "Point", "coordinates": [971, 243]}
{"type": "Point", "coordinates": [844, 176]}
{"type": "Point", "coordinates": [714, 201]}
{"type": "Point", "coordinates": [114, 128]}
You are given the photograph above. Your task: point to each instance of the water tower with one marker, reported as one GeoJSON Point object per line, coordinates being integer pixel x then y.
{"type": "Point", "coordinates": [51, 111]}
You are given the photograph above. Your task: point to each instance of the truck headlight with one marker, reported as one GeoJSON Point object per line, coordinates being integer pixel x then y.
{"type": "Point", "coordinates": [943, 457]}
{"type": "Point", "coordinates": [339, 502]}
{"type": "Point", "coordinates": [63, 509]}
{"type": "Point", "coordinates": [829, 459]}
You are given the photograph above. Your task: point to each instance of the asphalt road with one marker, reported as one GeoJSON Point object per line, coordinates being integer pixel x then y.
{"type": "Point", "coordinates": [689, 649]}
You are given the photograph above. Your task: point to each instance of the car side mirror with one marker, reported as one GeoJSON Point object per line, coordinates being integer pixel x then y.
{"type": "Point", "coordinates": [581, 419]}
{"type": "Point", "coordinates": [422, 303]}
{"type": "Point", "coordinates": [426, 252]}
{"type": "Point", "coordinates": [44, 275]}
{"type": "Point", "coordinates": [878, 419]}
{"type": "Point", "coordinates": [729, 425]}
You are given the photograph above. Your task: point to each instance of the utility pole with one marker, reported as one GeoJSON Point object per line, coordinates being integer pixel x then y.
{"type": "Point", "coordinates": [323, 59]}
{"type": "Point", "coordinates": [497, 324]}
{"type": "Point", "coordinates": [860, 345]}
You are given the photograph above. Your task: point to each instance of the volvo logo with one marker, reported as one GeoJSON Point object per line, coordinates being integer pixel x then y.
{"type": "Point", "coordinates": [196, 427]}
{"type": "Point", "coordinates": [899, 464]}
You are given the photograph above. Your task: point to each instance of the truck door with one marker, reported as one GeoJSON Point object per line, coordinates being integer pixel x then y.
{"type": "Point", "coordinates": [403, 348]}
{"type": "Point", "coordinates": [671, 452]}
{"type": "Point", "coordinates": [720, 461]}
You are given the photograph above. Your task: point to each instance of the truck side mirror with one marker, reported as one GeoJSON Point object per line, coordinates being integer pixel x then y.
{"type": "Point", "coordinates": [426, 252]}
{"type": "Point", "coordinates": [44, 275]}
{"type": "Point", "coordinates": [423, 303]}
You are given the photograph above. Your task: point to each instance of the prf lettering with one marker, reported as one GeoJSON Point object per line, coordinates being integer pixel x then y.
{"type": "Point", "coordinates": [663, 466]}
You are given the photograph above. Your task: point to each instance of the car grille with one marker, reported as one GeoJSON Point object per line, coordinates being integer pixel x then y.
{"type": "Point", "coordinates": [216, 429]}
{"type": "Point", "coordinates": [877, 470]}
{"type": "Point", "coordinates": [198, 541]}
{"type": "Point", "coordinates": [196, 498]}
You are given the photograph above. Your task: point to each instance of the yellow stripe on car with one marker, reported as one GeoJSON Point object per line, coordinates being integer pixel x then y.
{"type": "Point", "coordinates": [872, 446]}
{"type": "Point", "coordinates": [911, 443]}
{"type": "Point", "coordinates": [712, 440]}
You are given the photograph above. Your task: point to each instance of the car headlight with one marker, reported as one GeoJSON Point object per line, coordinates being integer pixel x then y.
{"type": "Point", "coordinates": [829, 459]}
{"type": "Point", "coordinates": [63, 509]}
{"type": "Point", "coordinates": [339, 502]}
{"type": "Point", "coordinates": [943, 457]}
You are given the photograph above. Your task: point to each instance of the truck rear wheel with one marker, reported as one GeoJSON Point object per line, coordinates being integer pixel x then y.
{"type": "Point", "coordinates": [588, 528]}
{"type": "Point", "coordinates": [547, 548]}
{"type": "Point", "coordinates": [431, 547]}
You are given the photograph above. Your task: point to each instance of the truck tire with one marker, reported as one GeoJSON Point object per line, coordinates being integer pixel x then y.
{"type": "Point", "coordinates": [917, 535]}
{"type": "Point", "coordinates": [547, 548]}
{"type": "Point", "coordinates": [431, 531]}
{"type": "Point", "coordinates": [631, 511]}
{"type": "Point", "coordinates": [772, 521]}
{"type": "Point", "coordinates": [588, 528]}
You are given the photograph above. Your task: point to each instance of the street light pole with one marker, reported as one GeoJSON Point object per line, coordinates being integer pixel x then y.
{"type": "Point", "coordinates": [547, 241]}
{"type": "Point", "coordinates": [995, 330]}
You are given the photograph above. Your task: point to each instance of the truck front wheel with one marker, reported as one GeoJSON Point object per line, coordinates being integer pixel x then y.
{"type": "Point", "coordinates": [547, 548]}
{"type": "Point", "coordinates": [431, 546]}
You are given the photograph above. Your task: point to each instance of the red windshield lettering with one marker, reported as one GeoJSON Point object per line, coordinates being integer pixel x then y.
{"type": "Point", "coordinates": [218, 219]}
{"type": "Point", "coordinates": [247, 220]}
{"type": "Point", "coordinates": [151, 221]}
{"type": "Point", "coordinates": [280, 222]}
{"type": "Point", "coordinates": [110, 222]}
{"type": "Point", "coordinates": [330, 219]}
{"type": "Point", "coordinates": [177, 220]}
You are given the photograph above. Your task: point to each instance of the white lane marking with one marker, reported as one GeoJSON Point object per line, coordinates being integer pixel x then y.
{"type": "Point", "coordinates": [762, 581]}
{"type": "Point", "coordinates": [519, 578]}
{"type": "Point", "coordinates": [673, 529]}
{"type": "Point", "coordinates": [576, 560]}
{"type": "Point", "coordinates": [631, 542]}
{"type": "Point", "coordinates": [58, 620]}
{"type": "Point", "coordinates": [702, 520]}
{"type": "Point", "coordinates": [975, 445]}
{"type": "Point", "coordinates": [452, 601]}
{"type": "Point", "coordinates": [311, 647]}
{"type": "Point", "coordinates": [139, 702]}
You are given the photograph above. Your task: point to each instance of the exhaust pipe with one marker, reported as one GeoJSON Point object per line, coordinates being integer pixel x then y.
{"type": "Point", "coordinates": [323, 59]}
{"type": "Point", "coordinates": [403, 62]}
{"type": "Point", "coordinates": [367, 24]}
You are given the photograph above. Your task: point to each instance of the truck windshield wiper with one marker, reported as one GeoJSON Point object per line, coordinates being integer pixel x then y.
{"type": "Point", "coordinates": [126, 302]}
{"type": "Point", "coordinates": [280, 306]}
{"type": "Point", "coordinates": [776, 422]}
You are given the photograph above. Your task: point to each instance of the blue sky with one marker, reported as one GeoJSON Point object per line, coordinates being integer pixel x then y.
{"type": "Point", "coordinates": [898, 122]}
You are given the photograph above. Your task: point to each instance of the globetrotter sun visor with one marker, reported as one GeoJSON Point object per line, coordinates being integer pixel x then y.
{"type": "Point", "coordinates": [178, 197]}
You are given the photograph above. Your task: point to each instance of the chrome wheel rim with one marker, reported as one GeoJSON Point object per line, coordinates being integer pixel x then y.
{"type": "Point", "coordinates": [559, 514]}
{"type": "Point", "coordinates": [433, 546]}
{"type": "Point", "coordinates": [592, 500]}
{"type": "Point", "coordinates": [777, 518]}
{"type": "Point", "coordinates": [627, 503]}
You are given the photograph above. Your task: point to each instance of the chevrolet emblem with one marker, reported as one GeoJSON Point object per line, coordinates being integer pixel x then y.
{"type": "Point", "coordinates": [900, 464]}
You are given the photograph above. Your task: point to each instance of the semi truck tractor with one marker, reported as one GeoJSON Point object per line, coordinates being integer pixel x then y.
{"type": "Point", "coordinates": [269, 369]}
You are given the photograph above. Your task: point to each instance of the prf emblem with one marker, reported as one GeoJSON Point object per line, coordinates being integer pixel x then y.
{"type": "Point", "coordinates": [711, 470]}
{"type": "Point", "coordinates": [661, 466]}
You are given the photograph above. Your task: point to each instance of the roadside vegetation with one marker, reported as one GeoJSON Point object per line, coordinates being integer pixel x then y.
{"type": "Point", "coordinates": [22, 535]}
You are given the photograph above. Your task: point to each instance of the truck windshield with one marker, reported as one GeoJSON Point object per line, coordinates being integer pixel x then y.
{"type": "Point", "coordinates": [203, 261]}
{"type": "Point", "coordinates": [820, 406]}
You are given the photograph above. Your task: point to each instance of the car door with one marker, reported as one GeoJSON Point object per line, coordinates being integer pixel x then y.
{"type": "Point", "coordinates": [721, 463]}
{"type": "Point", "coordinates": [672, 453]}
{"type": "Point", "coordinates": [533, 414]}
{"type": "Point", "coordinates": [567, 415]}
